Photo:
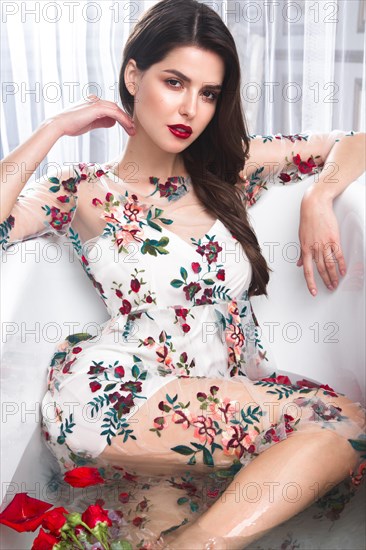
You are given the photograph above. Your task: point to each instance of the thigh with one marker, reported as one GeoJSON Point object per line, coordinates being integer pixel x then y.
{"type": "Point", "coordinates": [192, 421]}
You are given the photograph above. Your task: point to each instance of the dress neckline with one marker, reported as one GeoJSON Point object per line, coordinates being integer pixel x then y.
{"type": "Point", "coordinates": [173, 189]}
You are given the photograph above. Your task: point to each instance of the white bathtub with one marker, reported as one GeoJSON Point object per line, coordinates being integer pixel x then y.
{"type": "Point", "coordinates": [320, 338]}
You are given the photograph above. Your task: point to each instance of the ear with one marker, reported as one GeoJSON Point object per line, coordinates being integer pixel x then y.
{"type": "Point", "coordinates": [130, 76]}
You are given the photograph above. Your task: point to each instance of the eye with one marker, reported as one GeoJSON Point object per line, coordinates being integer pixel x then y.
{"type": "Point", "coordinates": [213, 95]}
{"type": "Point", "coordinates": [172, 80]}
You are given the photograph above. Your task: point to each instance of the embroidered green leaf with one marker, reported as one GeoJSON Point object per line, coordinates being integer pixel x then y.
{"type": "Point", "coordinates": [55, 189]}
{"type": "Point", "coordinates": [183, 273]}
{"type": "Point", "coordinates": [176, 283]}
{"type": "Point", "coordinates": [358, 444]}
{"type": "Point", "coordinates": [183, 450]}
{"type": "Point", "coordinates": [207, 457]}
{"type": "Point", "coordinates": [110, 387]}
{"type": "Point", "coordinates": [54, 180]}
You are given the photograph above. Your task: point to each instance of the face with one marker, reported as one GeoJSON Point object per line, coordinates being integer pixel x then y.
{"type": "Point", "coordinates": [182, 89]}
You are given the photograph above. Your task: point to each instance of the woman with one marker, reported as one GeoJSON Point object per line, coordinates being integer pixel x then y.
{"type": "Point", "coordinates": [178, 379]}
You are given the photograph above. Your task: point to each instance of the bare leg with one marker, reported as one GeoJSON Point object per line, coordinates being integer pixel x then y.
{"type": "Point", "coordinates": [281, 482]}
{"type": "Point", "coordinates": [278, 484]}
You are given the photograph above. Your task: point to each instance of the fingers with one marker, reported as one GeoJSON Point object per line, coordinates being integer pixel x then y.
{"type": "Point", "coordinates": [326, 261]}
{"type": "Point", "coordinates": [112, 110]}
{"type": "Point", "coordinates": [308, 272]}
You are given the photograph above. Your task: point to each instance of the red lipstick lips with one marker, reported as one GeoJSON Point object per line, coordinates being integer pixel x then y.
{"type": "Point", "coordinates": [180, 130]}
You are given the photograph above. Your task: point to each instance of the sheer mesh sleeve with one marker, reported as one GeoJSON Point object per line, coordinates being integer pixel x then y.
{"type": "Point", "coordinates": [48, 206]}
{"type": "Point", "coordinates": [284, 159]}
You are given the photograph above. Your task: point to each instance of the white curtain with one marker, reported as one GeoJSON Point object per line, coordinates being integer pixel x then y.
{"type": "Point", "coordinates": [303, 66]}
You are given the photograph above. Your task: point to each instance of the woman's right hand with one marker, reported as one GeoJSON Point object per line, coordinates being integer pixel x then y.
{"type": "Point", "coordinates": [90, 114]}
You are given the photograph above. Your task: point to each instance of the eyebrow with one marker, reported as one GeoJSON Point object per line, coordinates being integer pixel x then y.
{"type": "Point", "coordinates": [217, 87]}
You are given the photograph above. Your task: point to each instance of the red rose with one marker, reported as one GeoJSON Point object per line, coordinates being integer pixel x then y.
{"type": "Point", "coordinates": [119, 294]}
{"type": "Point", "coordinates": [221, 274]}
{"type": "Point", "coordinates": [196, 268]}
{"type": "Point", "coordinates": [83, 477]}
{"type": "Point", "coordinates": [44, 541]}
{"type": "Point", "coordinates": [109, 197]}
{"type": "Point", "coordinates": [95, 514]}
{"type": "Point", "coordinates": [100, 173]}
{"type": "Point", "coordinates": [78, 349]}
{"type": "Point", "coordinates": [149, 299]}
{"type": "Point", "coordinates": [54, 520]}
{"type": "Point", "coordinates": [24, 513]}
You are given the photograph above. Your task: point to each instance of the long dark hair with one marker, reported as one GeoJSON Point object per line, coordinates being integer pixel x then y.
{"type": "Point", "coordinates": [216, 157]}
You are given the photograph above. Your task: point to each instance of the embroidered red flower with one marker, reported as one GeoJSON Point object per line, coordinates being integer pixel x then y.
{"type": "Point", "coordinates": [124, 497]}
{"type": "Point", "coordinates": [59, 219]}
{"type": "Point", "coordinates": [221, 274]}
{"type": "Point", "coordinates": [119, 371]}
{"type": "Point", "coordinates": [95, 386]}
{"type": "Point", "coordinates": [196, 268]}
{"type": "Point", "coordinates": [137, 521]}
{"type": "Point", "coordinates": [278, 380]}
{"type": "Point", "coordinates": [70, 185]}
{"type": "Point", "coordinates": [126, 307]}
{"type": "Point", "coordinates": [284, 177]}
{"type": "Point", "coordinates": [97, 202]}
{"type": "Point", "coordinates": [83, 477]}
{"type": "Point", "coordinates": [212, 493]}
{"type": "Point", "coordinates": [356, 478]}
{"type": "Point", "coordinates": [63, 198]}
{"type": "Point", "coordinates": [24, 513]}
{"type": "Point", "coordinates": [303, 383]}
{"type": "Point", "coordinates": [135, 285]}
{"type": "Point", "coordinates": [305, 167]}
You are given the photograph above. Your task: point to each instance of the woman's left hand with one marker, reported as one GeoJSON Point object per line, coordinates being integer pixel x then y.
{"type": "Point", "coordinates": [319, 240]}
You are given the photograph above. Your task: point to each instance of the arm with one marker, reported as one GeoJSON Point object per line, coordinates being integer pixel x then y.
{"type": "Point", "coordinates": [284, 159]}
{"type": "Point", "coordinates": [279, 159]}
{"type": "Point", "coordinates": [318, 231]}
{"type": "Point", "coordinates": [47, 206]}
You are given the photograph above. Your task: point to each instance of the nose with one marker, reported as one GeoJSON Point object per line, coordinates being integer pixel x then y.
{"type": "Point", "coordinates": [188, 105]}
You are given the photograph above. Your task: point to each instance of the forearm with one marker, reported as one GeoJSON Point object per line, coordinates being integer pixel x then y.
{"type": "Point", "coordinates": [17, 167]}
{"type": "Point", "coordinates": [345, 163]}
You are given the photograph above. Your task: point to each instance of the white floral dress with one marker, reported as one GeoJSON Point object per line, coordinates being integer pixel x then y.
{"type": "Point", "coordinates": [179, 309]}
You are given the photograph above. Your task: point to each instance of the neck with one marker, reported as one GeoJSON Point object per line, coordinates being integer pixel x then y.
{"type": "Point", "coordinates": [142, 159]}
